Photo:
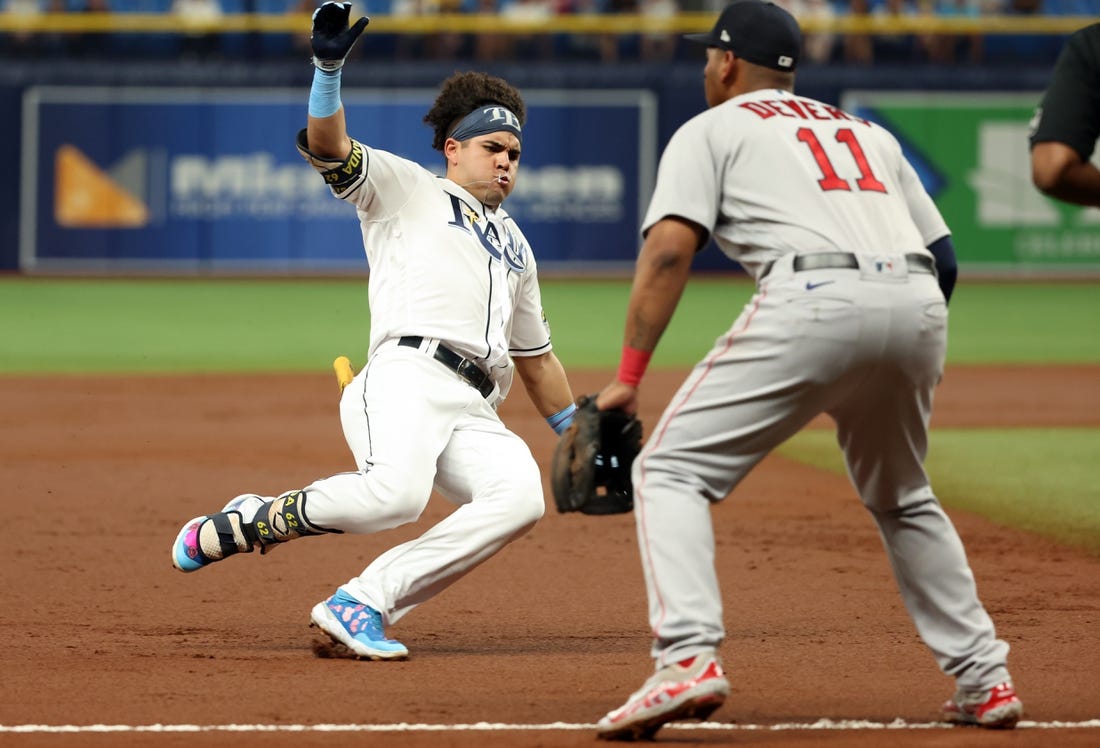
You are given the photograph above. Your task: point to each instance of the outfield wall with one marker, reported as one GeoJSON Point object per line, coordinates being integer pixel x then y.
{"type": "Point", "coordinates": [190, 179]}
{"type": "Point", "coordinates": [191, 168]}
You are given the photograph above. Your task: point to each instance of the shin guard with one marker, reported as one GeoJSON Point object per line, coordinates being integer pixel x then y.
{"type": "Point", "coordinates": [282, 519]}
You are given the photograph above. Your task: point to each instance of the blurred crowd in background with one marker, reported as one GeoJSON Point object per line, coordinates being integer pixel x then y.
{"type": "Point", "coordinates": [820, 48]}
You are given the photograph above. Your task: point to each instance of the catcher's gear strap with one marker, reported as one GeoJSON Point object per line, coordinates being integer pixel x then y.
{"type": "Point", "coordinates": [230, 539]}
{"type": "Point", "coordinates": [284, 519]}
{"type": "Point", "coordinates": [342, 177]}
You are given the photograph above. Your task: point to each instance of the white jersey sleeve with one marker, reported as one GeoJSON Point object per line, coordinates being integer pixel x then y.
{"type": "Point", "coordinates": [389, 182]}
{"type": "Point", "coordinates": [529, 332]}
{"type": "Point", "coordinates": [377, 182]}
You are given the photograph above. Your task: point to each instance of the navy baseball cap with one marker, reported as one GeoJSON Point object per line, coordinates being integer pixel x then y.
{"type": "Point", "coordinates": [758, 31]}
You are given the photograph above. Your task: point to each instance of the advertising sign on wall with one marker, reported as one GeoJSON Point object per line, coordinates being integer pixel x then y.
{"type": "Point", "coordinates": [206, 180]}
{"type": "Point", "coordinates": [971, 150]}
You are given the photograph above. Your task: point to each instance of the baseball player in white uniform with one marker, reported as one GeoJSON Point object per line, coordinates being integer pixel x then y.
{"type": "Point", "coordinates": [854, 267]}
{"type": "Point", "coordinates": [455, 310]}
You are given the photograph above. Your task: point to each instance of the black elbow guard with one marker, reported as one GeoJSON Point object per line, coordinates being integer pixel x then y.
{"type": "Point", "coordinates": [947, 268]}
{"type": "Point", "coordinates": [341, 176]}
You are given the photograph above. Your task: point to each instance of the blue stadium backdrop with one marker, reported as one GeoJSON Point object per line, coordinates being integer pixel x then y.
{"type": "Point", "coordinates": [123, 179]}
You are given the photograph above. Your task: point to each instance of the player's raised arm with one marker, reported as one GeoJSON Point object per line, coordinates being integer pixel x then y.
{"type": "Point", "coordinates": [331, 39]}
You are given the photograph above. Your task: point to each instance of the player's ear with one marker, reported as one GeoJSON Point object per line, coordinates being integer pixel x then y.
{"type": "Point", "coordinates": [728, 66]}
{"type": "Point", "coordinates": [450, 150]}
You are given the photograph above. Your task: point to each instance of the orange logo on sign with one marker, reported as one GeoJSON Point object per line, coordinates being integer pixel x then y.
{"type": "Point", "coordinates": [87, 197]}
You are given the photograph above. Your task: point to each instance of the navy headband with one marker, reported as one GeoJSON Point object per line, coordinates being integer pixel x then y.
{"type": "Point", "coordinates": [487, 119]}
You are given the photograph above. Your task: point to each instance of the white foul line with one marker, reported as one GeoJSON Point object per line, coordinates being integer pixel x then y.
{"type": "Point", "coordinates": [821, 724]}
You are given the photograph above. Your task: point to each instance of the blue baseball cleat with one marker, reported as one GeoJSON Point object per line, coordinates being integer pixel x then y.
{"type": "Point", "coordinates": [187, 553]}
{"type": "Point", "coordinates": [357, 627]}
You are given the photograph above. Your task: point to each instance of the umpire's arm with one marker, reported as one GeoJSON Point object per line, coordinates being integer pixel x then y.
{"type": "Point", "coordinates": [1058, 171]}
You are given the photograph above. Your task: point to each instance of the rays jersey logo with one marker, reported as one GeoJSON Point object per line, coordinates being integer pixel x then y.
{"type": "Point", "coordinates": [508, 248]}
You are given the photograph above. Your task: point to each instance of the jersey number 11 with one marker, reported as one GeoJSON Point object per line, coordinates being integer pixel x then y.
{"type": "Point", "coordinates": [830, 181]}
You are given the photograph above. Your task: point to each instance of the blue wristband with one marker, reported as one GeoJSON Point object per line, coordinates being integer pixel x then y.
{"type": "Point", "coordinates": [560, 421]}
{"type": "Point", "coordinates": [324, 95]}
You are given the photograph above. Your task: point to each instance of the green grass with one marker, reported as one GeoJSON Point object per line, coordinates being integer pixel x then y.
{"type": "Point", "coordinates": [587, 320]}
{"type": "Point", "coordinates": [1041, 480]}
{"type": "Point", "coordinates": [204, 325]}
{"type": "Point", "coordinates": [1033, 323]}
{"type": "Point", "coordinates": [180, 326]}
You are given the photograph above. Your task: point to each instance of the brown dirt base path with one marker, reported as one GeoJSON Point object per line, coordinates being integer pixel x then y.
{"type": "Point", "coordinates": [99, 473]}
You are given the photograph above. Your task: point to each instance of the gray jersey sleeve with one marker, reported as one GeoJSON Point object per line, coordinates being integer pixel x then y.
{"type": "Point", "coordinates": [688, 179]}
{"type": "Point", "coordinates": [926, 215]}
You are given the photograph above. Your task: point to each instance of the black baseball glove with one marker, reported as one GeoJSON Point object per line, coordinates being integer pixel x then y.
{"type": "Point", "coordinates": [331, 38]}
{"type": "Point", "coordinates": [590, 472]}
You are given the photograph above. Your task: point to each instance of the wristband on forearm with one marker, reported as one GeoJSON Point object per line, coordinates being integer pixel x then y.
{"type": "Point", "coordinates": [633, 365]}
{"type": "Point", "coordinates": [324, 95]}
{"type": "Point", "coordinates": [560, 421]}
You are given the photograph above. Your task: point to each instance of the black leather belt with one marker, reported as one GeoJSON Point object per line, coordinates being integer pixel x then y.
{"type": "Point", "coordinates": [840, 260]}
{"type": "Point", "coordinates": [473, 374]}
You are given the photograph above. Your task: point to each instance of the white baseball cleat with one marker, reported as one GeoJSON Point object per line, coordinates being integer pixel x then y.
{"type": "Point", "coordinates": [997, 708]}
{"type": "Point", "coordinates": [689, 689]}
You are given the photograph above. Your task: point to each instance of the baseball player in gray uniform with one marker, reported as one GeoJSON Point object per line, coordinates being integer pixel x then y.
{"type": "Point", "coordinates": [854, 266]}
{"type": "Point", "coordinates": [455, 310]}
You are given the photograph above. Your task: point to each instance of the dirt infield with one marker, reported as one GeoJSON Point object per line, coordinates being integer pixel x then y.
{"type": "Point", "coordinates": [101, 472]}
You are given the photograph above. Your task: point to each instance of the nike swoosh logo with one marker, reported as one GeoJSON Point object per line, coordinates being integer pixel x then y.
{"type": "Point", "coordinates": [811, 286]}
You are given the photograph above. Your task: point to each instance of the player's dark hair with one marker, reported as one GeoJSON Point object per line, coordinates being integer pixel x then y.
{"type": "Point", "coordinates": [461, 94]}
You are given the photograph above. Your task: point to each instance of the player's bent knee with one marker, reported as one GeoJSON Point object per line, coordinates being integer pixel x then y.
{"type": "Point", "coordinates": [522, 518]}
{"type": "Point", "coordinates": [403, 508]}
{"type": "Point", "coordinates": [395, 499]}
{"type": "Point", "coordinates": [526, 506]}
{"type": "Point", "coordinates": [535, 508]}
